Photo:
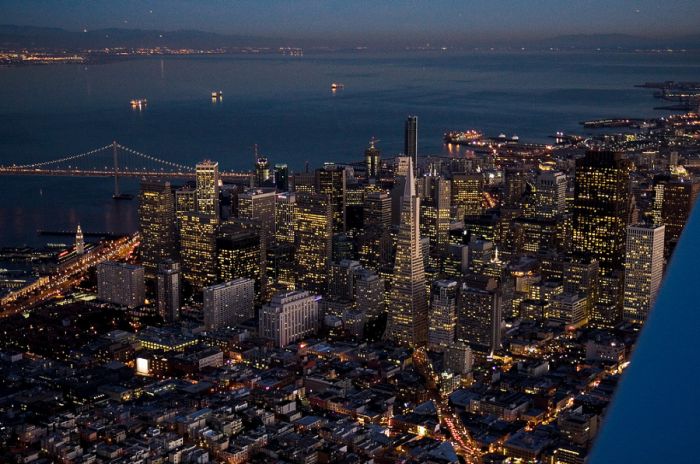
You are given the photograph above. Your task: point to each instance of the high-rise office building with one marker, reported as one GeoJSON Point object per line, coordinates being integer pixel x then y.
{"type": "Point", "coordinates": [185, 200]}
{"type": "Point", "coordinates": [262, 171]}
{"type": "Point", "coordinates": [198, 248]}
{"type": "Point", "coordinates": [313, 237]}
{"type": "Point", "coordinates": [369, 293]}
{"type": "Point", "coordinates": [515, 185]}
{"type": "Point", "coordinates": [601, 211]}
{"type": "Point", "coordinates": [582, 276]}
{"type": "Point", "coordinates": [673, 204]}
{"type": "Point", "coordinates": [401, 164]}
{"type": "Point", "coordinates": [241, 252]}
{"type": "Point", "coordinates": [305, 182]}
{"type": "Point", "coordinates": [467, 195]}
{"type": "Point", "coordinates": [331, 180]}
{"type": "Point", "coordinates": [377, 209]}
{"type": "Point", "coordinates": [289, 317]}
{"type": "Point", "coordinates": [458, 358]}
{"type": "Point", "coordinates": [548, 198]}
{"type": "Point", "coordinates": [168, 290]}
{"type": "Point", "coordinates": [342, 279]}
{"type": "Point", "coordinates": [601, 208]}
{"type": "Point", "coordinates": [443, 315]}
{"type": "Point", "coordinates": [121, 284]}
{"type": "Point", "coordinates": [408, 305]}
{"type": "Point", "coordinates": [259, 205]}
{"type": "Point", "coordinates": [157, 224]}
{"type": "Point", "coordinates": [282, 177]}
{"type": "Point", "coordinates": [479, 313]}
{"type": "Point", "coordinates": [207, 177]}
{"type": "Point", "coordinates": [411, 140]}
{"type": "Point", "coordinates": [644, 266]}
{"type": "Point", "coordinates": [435, 216]}
{"type": "Point", "coordinates": [285, 205]}
{"type": "Point", "coordinates": [372, 160]}
{"type": "Point", "coordinates": [567, 308]}
{"type": "Point", "coordinates": [228, 303]}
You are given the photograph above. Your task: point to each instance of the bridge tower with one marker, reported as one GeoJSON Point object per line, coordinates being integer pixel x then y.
{"type": "Point", "coordinates": [117, 193]}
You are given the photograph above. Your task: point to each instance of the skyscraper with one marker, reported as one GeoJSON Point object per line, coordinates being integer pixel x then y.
{"type": "Point", "coordinates": [313, 237]}
{"type": "Point", "coordinates": [548, 200]}
{"type": "Point", "coordinates": [207, 177]}
{"type": "Point", "coordinates": [467, 195]}
{"type": "Point", "coordinates": [644, 266]}
{"type": "Point", "coordinates": [331, 180]}
{"type": "Point", "coordinates": [259, 205]}
{"type": "Point", "coordinates": [282, 177]}
{"type": "Point", "coordinates": [443, 315]}
{"type": "Point", "coordinates": [262, 171]}
{"type": "Point", "coordinates": [240, 252]}
{"type": "Point", "coordinates": [285, 205]}
{"type": "Point", "coordinates": [408, 310]}
{"type": "Point", "coordinates": [601, 210]}
{"type": "Point", "coordinates": [228, 303]}
{"type": "Point", "coordinates": [411, 139]}
{"type": "Point", "coordinates": [372, 160]}
{"type": "Point", "coordinates": [435, 216]}
{"type": "Point", "coordinates": [157, 224]}
{"type": "Point", "coordinates": [168, 291]}
{"type": "Point", "coordinates": [198, 248]}
{"type": "Point", "coordinates": [479, 313]}
{"type": "Point", "coordinates": [673, 204]}
{"type": "Point", "coordinates": [377, 210]}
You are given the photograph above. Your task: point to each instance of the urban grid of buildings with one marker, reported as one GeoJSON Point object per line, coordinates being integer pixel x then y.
{"type": "Point", "coordinates": [418, 308]}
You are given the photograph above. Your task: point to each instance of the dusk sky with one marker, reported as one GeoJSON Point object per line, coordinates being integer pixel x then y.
{"type": "Point", "coordinates": [422, 19]}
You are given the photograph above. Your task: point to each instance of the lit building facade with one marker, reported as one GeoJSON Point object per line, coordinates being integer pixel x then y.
{"type": "Point", "coordinates": [467, 195]}
{"type": "Point", "coordinates": [289, 317]}
{"type": "Point", "coordinates": [259, 205]}
{"type": "Point", "coordinates": [644, 266]}
{"type": "Point", "coordinates": [372, 160]}
{"type": "Point", "coordinates": [443, 315]}
{"type": "Point", "coordinates": [228, 303]}
{"type": "Point", "coordinates": [207, 177]}
{"type": "Point", "coordinates": [601, 211]}
{"type": "Point", "coordinates": [168, 290]}
{"type": "Point", "coordinates": [121, 284]}
{"type": "Point", "coordinates": [157, 224]}
{"type": "Point", "coordinates": [313, 236]}
{"type": "Point", "coordinates": [240, 252]}
{"type": "Point", "coordinates": [408, 305]}
{"type": "Point", "coordinates": [198, 248]}
{"type": "Point", "coordinates": [331, 180]}
{"type": "Point", "coordinates": [285, 204]}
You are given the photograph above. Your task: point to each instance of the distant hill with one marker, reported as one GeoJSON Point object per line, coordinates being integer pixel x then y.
{"type": "Point", "coordinates": [13, 36]}
{"type": "Point", "coordinates": [616, 41]}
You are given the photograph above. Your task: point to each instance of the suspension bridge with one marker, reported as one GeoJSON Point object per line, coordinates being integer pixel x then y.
{"type": "Point", "coordinates": [113, 160]}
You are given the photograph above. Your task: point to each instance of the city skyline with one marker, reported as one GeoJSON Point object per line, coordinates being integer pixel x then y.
{"type": "Point", "coordinates": [219, 248]}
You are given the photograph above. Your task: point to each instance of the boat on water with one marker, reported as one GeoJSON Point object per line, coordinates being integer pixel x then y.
{"type": "Point", "coordinates": [122, 196]}
{"type": "Point", "coordinates": [337, 86]}
{"type": "Point", "coordinates": [139, 103]}
{"type": "Point", "coordinates": [217, 95]}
